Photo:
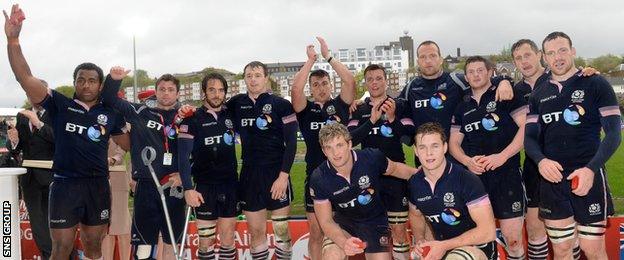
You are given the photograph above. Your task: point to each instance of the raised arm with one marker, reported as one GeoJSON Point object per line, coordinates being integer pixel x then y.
{"type": "Point", "coordinates": [34, 88]}
{"type": "Point", "coordinates": [297, 95]}
{"type": "Point", "coordinates": [347, 92]}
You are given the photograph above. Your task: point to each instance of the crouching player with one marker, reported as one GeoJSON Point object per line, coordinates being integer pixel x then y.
{"type": "Point", "coordinates": [348, 182]}
{"type": "Point", "coordinates": [452, 200]}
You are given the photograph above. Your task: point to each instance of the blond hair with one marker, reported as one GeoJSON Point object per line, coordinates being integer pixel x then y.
{"type": "Point", "coordinates": [331, 131]}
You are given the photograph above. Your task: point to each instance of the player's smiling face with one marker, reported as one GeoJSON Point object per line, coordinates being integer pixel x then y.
{"type": "Point", "coordinates": [215, 93]}
{"type": "Point", "coordinates": [430, 150]}
{"type": "Point", "coordinates": [255, 80]}
{"type": "Point", "coordinates": [166, 93]}
{"type": "Point", "coordinates": [320, 88]}
{"type": "Point", "coordinates": [375, 83]}
{"type": "Point", "coordinates": [337, 151]}
{"type": "Point", "coordinates": [87, 85]}
{"type": "Point", "coordinates": [527, 60]}
{"type": "Point", "coordinates": [559, 55]}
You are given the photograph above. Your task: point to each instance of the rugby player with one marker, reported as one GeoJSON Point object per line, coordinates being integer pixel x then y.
{"type": "Point", "coordinates": [208, 138]}
{"type": "Point", "coordinates": [452, 200]}
{"type": "Point", "coordinates": [347, 202]}
{"type": "Point", "coordinates": [527, 58]}
{"type": "Point", "coordinates": [153, 124]}
{"type": "Point", "coordinates": [314, 114]}
{"type": "Point", "coordinates": [80, 194]}
{"type": "Point", "coordinates": [267, 126]}
{"type": "Point", "coordinates": [379, 122]}
{"type": "Point", "coordinates": [563, 135]}
{"type": "Point", "coordinates": [486, 137]}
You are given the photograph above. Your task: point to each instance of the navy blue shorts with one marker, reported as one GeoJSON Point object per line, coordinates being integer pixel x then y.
{"type": "Point", "coordinates": [220, 201]}
{"type": "Point", "coordinates": [149, 218]}
{"type": "Point", "coordinates": [376, 234]}
{"type": "Point", "coordinates": [506, 192]}
{"type": "Point", "coordinates": [558, 202]}
{"type": "Point", "coordinates": [255, 188]}
{"type": "Point", "coordinates": [79, 200]}
{"type": "Point", "coordinates": [393, 193]}
{"type": "Point", "coordinates": [531, 178]}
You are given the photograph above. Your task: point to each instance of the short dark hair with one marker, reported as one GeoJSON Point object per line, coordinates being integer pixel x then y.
{"type": "Point", "coordinates": [472, 59]}
{"type": "Point", "coordinates": [554, 35]}
{"type": "Point", "coordinates": [169, 77]}
{"type": "Point", "coordinates": [89, 66]}
{"type": "Point", "coordinates": [430, 128]}
{"type": "Point", "coordinates": [319, 74]}
{"type": "Point", "coordinates": [213, 76]}
{"type": "Point", "coordinates": [521, 42]}
{"type": "Point", "coordinates": [375, 67]}
{"type": "Point", "coordinates": [257, 64]}
{"type": "Point", "coordinates": [428, 42]}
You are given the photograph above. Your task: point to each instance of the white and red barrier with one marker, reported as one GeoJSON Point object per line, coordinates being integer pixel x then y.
{"type": "Point", "coordinates": [299, 233]}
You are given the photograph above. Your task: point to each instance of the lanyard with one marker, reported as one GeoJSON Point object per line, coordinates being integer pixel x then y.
{"type": "Point", "coordinates": [165, 134]}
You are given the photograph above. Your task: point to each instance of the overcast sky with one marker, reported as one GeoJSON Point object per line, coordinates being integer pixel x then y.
{"type": "Point", "coordinates": [184, 36]}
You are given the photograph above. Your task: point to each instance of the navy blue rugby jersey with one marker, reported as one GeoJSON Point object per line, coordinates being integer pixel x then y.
{"type": "Point", "coordinates": [260, 125]}
{"type": "Point", "coordinates": [383, 135]}
{"type": "Point", "coordinates": [356, 199]}
{"type": "Point", "coordinates": [311, 119]}
{"type": "Point", "coordinates": [445, 204]}
{"type": "Point", "coordinates": [213, 155]}
{"type": "Point", "coordinates": [81, 135]}
{"type": "Point", "coordinates": [488, 125]}
{"type": "Point", "coordinates": [568, 114]}
{"type": "Point", "coordinates": [150, 126]}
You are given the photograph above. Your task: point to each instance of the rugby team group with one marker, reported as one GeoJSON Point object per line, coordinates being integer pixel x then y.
{"type": "Point", "coordinates": [467, 131]}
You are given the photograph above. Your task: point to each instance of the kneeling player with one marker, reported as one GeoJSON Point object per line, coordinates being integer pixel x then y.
{"type": "Point", "coordinates": [209, 136]}
{"type": "Point", "coordinates": [348, 182]}
{"type": "Point", "coordinates": [452, 200]}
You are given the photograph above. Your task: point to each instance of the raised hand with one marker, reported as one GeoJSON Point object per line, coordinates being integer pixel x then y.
{"type": "Point", "coordinates": [324, 48]}
{"type": "Point", "coordinates": [118, 73]}
{"type": "Point", "coordinates": [13, 23]}
{"type": "Point", "coordinates": [311, 52]}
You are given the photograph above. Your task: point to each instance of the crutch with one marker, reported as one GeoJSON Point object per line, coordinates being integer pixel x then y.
{"type": "Point", "coordinates": [149, 155]}
{"type": "Point", "coordinates": [186, 223]}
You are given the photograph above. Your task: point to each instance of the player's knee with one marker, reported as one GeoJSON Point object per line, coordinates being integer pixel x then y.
{"type": "Point", "coordinates": [562, 237]}
{"type": "Point", "coordinates": [63, 247]}
{"type": "Point", "coordinates": [464, 253]}
{"type": "Point", "coordinates": [397, 219]}
{"type": "Point", "coordinates": [207, 233]}
{"type": "Point", "coordinates": [331, 251]}
{"type": "Point", "coordinates": [147, 252]}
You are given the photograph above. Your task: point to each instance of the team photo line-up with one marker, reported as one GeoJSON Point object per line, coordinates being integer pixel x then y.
{"type": "Point", "coordinates": [467, 131]}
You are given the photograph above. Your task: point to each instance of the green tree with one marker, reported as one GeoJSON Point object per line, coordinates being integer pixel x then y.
{"type": "Point", "coordinates": [275, 87]}
{"type": "Point", "coordinates": [27, 104]}
{"type": "Point", "coordinates": [605, 63]}
{"type": "Point", "coordinates": [67, 91]}
{"type": "Point", "coordinates": [143, 79]}
{"type": "Point", "coordinates": [580, 62]}
{"type": "Point", "coordinates": [360, 85]}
